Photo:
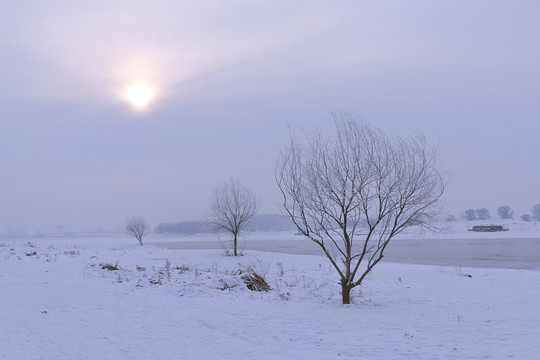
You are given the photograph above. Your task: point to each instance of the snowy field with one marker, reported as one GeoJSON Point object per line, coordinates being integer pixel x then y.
{"type": "Point", "coordinates": [57, 301]}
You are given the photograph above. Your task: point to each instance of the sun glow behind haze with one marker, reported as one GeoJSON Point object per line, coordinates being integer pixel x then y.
{"type": "Point", "coordinates": [139, 95]}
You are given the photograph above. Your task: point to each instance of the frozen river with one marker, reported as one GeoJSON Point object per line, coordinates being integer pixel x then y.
{"type": "Point", "coordinates": [519, 253]}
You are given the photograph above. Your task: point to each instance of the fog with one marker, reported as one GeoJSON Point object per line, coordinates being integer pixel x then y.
{"type": "Point", "coordinates": [230, 79]}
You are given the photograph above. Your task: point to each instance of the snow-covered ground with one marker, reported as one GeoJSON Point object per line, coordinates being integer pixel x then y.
{"type": "Point", "coordinates": [58, 302]}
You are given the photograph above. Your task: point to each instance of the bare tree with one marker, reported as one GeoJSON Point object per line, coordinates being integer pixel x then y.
{"type": "Point", "coordinates": [505, 212]}
{"type": "Point", "coordinates": [482, 214]}
{"type": "Point", "coordinates": [330, 186]}
{"type": "Point", "coordinates": [536, 212]}
{"type": "Point", "coordinates": [137, 227]}
{"type": "Point", "coordinates": [231, 208]}
{"type": "Point", "coordinates": [469, 214]}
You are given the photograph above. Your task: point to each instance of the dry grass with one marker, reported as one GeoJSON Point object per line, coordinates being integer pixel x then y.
{"type": "Point", "coordinates": [109, 267]}
{"type": "Point", "coordinates": [255, 282]}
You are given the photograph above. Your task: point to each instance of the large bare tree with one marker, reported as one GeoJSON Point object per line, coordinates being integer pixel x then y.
{"type": "Point", "coordinates": [231, 208]}
{"type": "Point", "coordinates": [355, 190]}
{"type": "Point", "coordinates": [137, 227]}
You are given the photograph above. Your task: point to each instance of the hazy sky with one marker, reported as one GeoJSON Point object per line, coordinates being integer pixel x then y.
{"type": "Point", "coordinates": [230, 77]}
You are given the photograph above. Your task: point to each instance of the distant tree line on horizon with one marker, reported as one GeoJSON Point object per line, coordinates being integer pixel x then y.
{"type": "Point", "coordinates": [504, 212]}
{"type": "Point", "coordinates": [266, 222]}
{"type": "Point", "coordinates": [183, 227]}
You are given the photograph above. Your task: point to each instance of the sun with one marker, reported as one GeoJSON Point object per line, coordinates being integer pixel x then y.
{"type": "Point", "coordinates": [139, 95]}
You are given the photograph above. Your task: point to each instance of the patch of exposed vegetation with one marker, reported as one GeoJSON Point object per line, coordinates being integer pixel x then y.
{"type": "Point", "coordinates": [109, 267]}
{"type": "Point", "coordinates": [255, 282]}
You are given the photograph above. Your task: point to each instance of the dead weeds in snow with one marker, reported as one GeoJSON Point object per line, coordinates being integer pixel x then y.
{"type": "Point", "coordinates": [110, 267]}
{"type": "Point", "coordinates": [255, 282]}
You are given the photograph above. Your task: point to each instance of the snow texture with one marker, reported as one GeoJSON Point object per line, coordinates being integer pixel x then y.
{"type": "Point", "coordinates": [57, 301]}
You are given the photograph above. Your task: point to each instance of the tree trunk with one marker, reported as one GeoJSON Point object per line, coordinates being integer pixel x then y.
{"type": "Point", "coordinates": [346, 293]}
{"type": "Point", "coordinates": [235, 252]}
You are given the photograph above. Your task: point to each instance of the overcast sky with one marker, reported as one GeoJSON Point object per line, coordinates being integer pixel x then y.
{"type": "Point", "coordinates": [230, 77]}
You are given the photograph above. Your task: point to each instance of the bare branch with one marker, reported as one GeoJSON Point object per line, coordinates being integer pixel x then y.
{"type": "Point", "coordinates": [138, 228]}
{"type": "Point", "coordinates": [231, 208]}
{"type": "Point", "coordinates": [359, 180]}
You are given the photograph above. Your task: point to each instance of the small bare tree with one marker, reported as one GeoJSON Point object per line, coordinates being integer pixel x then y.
{"type": "Point", "coordinates": [137, 227]}
{"type": "Point", "coordinates": [231, 208]}
{"type": "Point", "coordinates": [332, 185]}
{"type": "Point", "coordinates": [536, 212]}
{"type": "Point", "coordinates": [505, 212]}
{"type": "Point", "coordinates": [482, 214]}
{"type": "Point", "coordinates": [470, 215]}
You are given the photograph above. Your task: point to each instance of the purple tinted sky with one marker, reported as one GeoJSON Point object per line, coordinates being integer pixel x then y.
{"type": "Point", "coordinates": [231, 77]}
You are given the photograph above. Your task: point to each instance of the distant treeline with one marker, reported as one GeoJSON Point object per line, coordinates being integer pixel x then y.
{"type": "Point", "coordinates": [258, 223]}
{"type": "Point", "coordinates": [184, 227]}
